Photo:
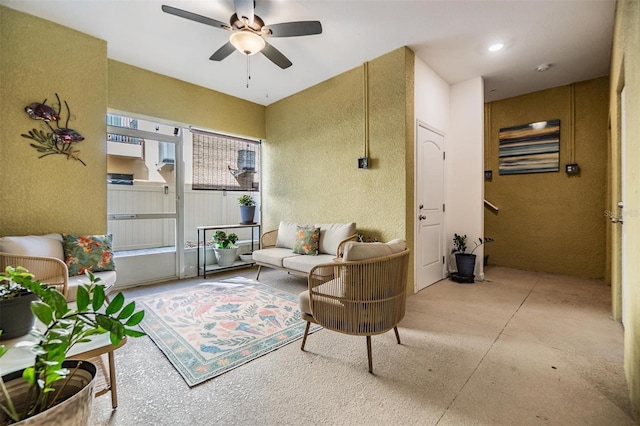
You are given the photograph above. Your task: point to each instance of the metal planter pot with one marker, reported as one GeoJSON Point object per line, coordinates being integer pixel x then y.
{"type": "Point", "coordinates": [76, 397]}
{"type": "Point", "coordinates": [247, 213]}
{"type": "Point", "coordinates": [466, 264]}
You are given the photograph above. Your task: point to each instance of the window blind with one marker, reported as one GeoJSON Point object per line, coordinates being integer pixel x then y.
{"type": "Point", "coordinates": [222, 162]}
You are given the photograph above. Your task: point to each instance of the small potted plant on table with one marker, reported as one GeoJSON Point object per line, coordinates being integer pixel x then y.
{"type": "Point", "coordinates": [247, 209]}
{"type": "Point", "coordinates": [16, 318]}
{"type": "Point", "coordinates": [225, 248]}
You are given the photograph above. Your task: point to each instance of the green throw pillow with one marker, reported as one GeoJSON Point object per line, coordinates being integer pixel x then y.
{"type": "Point", "coordinates": [87, 253]}
{"type": "Point", "coordinates": [307, 240]}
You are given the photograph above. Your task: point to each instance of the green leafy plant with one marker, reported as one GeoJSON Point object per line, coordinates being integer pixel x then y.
{"type": "Point", "coordinates": [64, 327]}
{"type": "Point", "coordinates": [460, 243]}
{"type": "Point", "coordinates": [224, 241]}
{"type": "Point", "coordinates": [246, 200]}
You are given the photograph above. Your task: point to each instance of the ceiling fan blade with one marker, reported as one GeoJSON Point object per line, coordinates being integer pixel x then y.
{"type": "Point", "coordinates": [275, 56]}
{"type": "Point", "coordinates": [294, 29]}
{"type": "Point", "coordinates": [194, 17]}
{"type": "Point", "coordinates": [226, 50]}
{"type": "Point", "coordinates": [244, 9]}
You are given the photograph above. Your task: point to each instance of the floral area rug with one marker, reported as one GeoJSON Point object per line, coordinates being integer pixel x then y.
{"type": "Point", "coordinates": [214, 327]}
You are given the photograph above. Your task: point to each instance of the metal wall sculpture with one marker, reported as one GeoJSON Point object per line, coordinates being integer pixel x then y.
{"type": "Point", "coordinates": [53, 140]}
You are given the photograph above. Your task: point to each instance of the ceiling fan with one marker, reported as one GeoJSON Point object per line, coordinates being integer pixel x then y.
{"type": "Point", "coordinates": [248, 32]}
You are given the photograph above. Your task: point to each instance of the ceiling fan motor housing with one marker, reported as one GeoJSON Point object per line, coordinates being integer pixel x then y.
{"type": "Point", "coordinates": [239, 24]}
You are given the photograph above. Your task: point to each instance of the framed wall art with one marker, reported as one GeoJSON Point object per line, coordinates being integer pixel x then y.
{"type": "Point", "coordinates": [530, 148]}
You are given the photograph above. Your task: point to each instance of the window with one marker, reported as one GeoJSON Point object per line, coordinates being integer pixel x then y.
{"type": "Point", "coordinates": [167, 154]}
{"type": "Point", "coordinates": [120, 121]}
{"type": "Point", "coordinates": [223, 162]}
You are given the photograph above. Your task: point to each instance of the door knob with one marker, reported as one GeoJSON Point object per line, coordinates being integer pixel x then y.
{"type": "Point", "coordinates": [421, 217]}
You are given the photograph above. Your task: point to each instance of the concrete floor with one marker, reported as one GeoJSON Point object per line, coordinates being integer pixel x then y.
{"type": "Point", "coordinates": [520, 348]}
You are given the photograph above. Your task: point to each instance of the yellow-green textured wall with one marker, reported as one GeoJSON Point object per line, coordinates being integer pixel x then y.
{"type": "Point", "coordinates": [135, 90]}
{"type": "Point", "coordinates": [315, 137]}
{"type": "Point", "coordinates": [625, 72]}
{"type": "Point", "coordinates": [551, 221]}
{"type": "Point", "coordinates": [53, 194]}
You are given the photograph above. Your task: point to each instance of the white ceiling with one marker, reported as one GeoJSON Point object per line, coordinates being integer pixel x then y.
{"type": "Point", "coordinates": [450, 36]}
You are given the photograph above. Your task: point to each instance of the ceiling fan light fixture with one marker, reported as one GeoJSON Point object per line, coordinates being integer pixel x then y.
{"type": "Point", "coordinates": [247, 42]}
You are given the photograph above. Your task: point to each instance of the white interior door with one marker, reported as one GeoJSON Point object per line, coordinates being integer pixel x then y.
{"type": "Point", "coordinates": [430, 207]}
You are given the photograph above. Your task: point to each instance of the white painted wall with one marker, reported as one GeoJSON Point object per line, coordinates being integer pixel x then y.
{"type": "Point", "coordinates": [431, 97]}
{"type": "Point", "coordinates": [431, 107]}
{"type": "Point", "coordinates": [464, 177]}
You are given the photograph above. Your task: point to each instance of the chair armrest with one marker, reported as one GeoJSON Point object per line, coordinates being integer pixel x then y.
{"type": "Point", "coordinates": [47, 270]}
{"type": "Point", "coordinates": [340, 253]}
{"type": "Point", "coordinates": [323, 273]}
{"type": "Point", "coordinates": [268, 239]}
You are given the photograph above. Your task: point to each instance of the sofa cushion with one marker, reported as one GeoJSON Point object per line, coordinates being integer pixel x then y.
{"type": "Point", "coordinates": [49, 245]}
{"type": "Point", "coordinates": [332, 234]}
{"type": "Point", "coordinates": [88, 253]}
{"type": "Point", "coordinates": [307, 239]}
{"type": "Point", "coordinates": [286, 234]}
{"type": "Point", "coordinates": [107, 279]}
{"type": "Point", "coordinates": [273, 256]}
{"type": "Point", "coordinates": [306, 263]}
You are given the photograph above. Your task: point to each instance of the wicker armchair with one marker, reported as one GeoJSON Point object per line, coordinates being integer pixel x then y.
{"type": "Point", "coordinates": [47, 270]}
{"type": "Point", "coordinates": [361, 298]}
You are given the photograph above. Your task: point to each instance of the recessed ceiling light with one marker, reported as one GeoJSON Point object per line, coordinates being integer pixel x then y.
{"type": "Point", "coordinates": [495, 47]}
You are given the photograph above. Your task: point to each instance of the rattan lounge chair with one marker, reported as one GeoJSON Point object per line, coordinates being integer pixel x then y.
{"type": "Point", "coordinates": [361, 298]}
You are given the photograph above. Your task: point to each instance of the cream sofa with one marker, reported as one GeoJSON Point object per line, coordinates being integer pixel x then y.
{"type": "Point", "coordinates": [276, 247]}
{"type": "Point", "coordinates": [43, 256]}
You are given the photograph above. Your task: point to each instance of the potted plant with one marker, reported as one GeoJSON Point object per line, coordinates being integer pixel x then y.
{"type": "Point", "coordinates": [54, 388]}
{"type": "Point", "coordinates": [246, 256]}
{"type": "Point", "coordinates": [247, 209]}
{"type": "Point", "coordinates": [466, 262]}
{"type": "Point", "coordinates": [225, 248]}
{"type": "Point", "coordinates": [16, 318]}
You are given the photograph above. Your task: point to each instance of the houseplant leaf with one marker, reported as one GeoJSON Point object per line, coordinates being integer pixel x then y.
{"type": "Point", "coordinates": [115, 304]}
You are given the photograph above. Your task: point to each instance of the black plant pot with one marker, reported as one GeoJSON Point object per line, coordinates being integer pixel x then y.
{"type": "Point", "coordinates": [247, 213]}
{"type": "Point", "coordinates": [16, 318]}
{"type": "Point", "coordinates": [466, 264]}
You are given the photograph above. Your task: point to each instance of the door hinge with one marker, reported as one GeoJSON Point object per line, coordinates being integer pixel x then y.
{"type": "Point", "coordinates": [443, 208]}
{"type": "Point", "coordinates": [443, 260]}
{"type": "Point", "coordinates": [444, 155]}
